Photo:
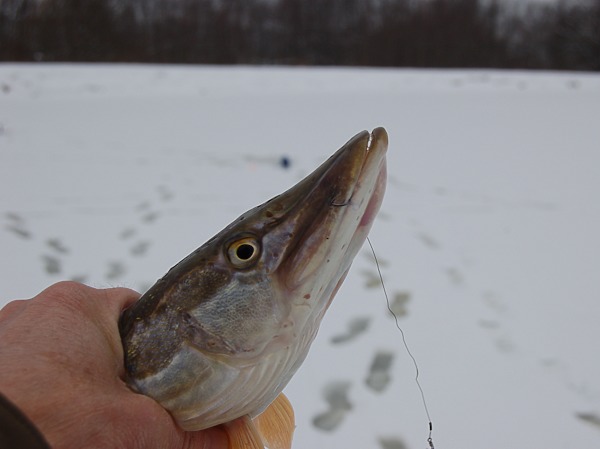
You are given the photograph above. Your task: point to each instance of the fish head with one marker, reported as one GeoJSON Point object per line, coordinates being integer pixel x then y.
{"type": "Point", "coordinates": [222, 333]}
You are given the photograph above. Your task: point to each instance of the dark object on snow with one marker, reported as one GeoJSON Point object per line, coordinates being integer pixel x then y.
{"type": "Point", "coordinates": [285, 162]}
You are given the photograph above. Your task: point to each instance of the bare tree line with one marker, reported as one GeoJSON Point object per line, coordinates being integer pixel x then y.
{"type": "Point", "coordinates": [401, 33]}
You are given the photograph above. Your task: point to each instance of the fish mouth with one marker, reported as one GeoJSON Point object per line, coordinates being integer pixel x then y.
{"type": "Point", "coordinates": [334, 210]}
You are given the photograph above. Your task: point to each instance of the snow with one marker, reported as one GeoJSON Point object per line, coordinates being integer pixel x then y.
{"type": "Point", "coordinates": [111, 174]}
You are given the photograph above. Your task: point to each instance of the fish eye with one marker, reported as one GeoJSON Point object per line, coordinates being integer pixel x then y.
{"type": "Point", "coordinates": [244, 252]}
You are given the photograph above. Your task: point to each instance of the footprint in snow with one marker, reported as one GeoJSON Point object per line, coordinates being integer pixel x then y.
{"type": "Point", "coordinates": [336, 396]}
{"type": "Point", "coordinates": [52, 264]}
{"type": "Point", "coordinates": [356, 326]}
{"type": "Point", "coordinates": [16, 225]}
{"type": "Point", "coordinates": [140, 248]}
{"type": "Point", "coordinates": [127, 233]}
{"type": "Point", "coordinates": [455, 276]}
{"type": "Point", "coordinates": [14, 217]}
{"type": "Point", "coordinates": [150, 217]}
{"type": "Point", "coordinates": [591, 418]}
{"type": "Point", "coordinates": [164, 193]}
{"type": "Point", "coordinates": [372, 279]}
{"type": "Point", "coordinates": [494, 303]}
{"type": "Point", "coordinates": [19, 230]}
{"type": "Point", "coordinates": [57, 245]}
{"type": "Point", "coordinates": [143, 206]}
{"type": "Point", "coordinates": [116, 269]}
{"type": "Point", "coordinates": [392, 443]}
{"type": "Point", "coordinates": [501, 340]}
{"type": "Point", "coordinates": [379, 374]}
{"type": "Point", "coordinates": [399, 302]}
{"type": "Point", "coordinates": [428, 241]}
{"type": "Point", "coordinates": [380, 260]}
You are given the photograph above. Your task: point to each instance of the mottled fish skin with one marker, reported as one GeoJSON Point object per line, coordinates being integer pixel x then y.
{"type": "Point", "coordinates": [222, 333]}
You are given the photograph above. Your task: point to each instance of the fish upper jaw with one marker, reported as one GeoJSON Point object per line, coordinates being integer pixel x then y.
{"type": "Point", "coordinates": [331, 238]}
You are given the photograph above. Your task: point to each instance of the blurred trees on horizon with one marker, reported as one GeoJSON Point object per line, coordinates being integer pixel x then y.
{"type": "Point", "coordinates": [390, 33]}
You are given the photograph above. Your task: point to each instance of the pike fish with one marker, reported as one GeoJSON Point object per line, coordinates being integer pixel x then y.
{"type": "Point", "coordinates": [217, 339]}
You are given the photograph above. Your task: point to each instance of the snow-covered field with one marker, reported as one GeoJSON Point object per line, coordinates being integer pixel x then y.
{"type": "Point", "coordinates": [488, 237]}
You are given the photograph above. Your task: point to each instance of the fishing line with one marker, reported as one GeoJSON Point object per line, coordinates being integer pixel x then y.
{"type": "Point", "coordinates": [387, 300]}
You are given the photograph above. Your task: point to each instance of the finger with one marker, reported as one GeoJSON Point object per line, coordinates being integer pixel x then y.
{"type": "Point", "coordinates": [111, 303]}
{"type": "Point", "coordinates": [108, 302]}
{"type": "Point", "coordinates": [120, 297]}
{"type": "Point", "coordinates": [99, 308]}
{"type": "Point", "coordinates": [69, 290]}
{"type": "Point", "coordinates": [213, 438]}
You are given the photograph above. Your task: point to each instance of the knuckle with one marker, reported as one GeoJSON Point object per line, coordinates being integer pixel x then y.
{"type": "Point", "coordinates": [64, 290]}
{"type": "Point", "coordinates": [67, 294]}
{"type": "Point", "coordinates": [13, 308]}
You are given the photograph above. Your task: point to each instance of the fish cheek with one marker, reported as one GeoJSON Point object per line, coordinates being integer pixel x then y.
{"type": "Point", "coordinates": [245, 315]}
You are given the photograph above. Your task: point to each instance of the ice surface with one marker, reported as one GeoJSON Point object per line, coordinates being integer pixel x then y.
{"type": "Point", "coordinates": [111, 174]}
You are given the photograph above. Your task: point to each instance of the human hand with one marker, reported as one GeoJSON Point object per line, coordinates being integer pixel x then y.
{"type": "Point", "coordinates": [62, 365]}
